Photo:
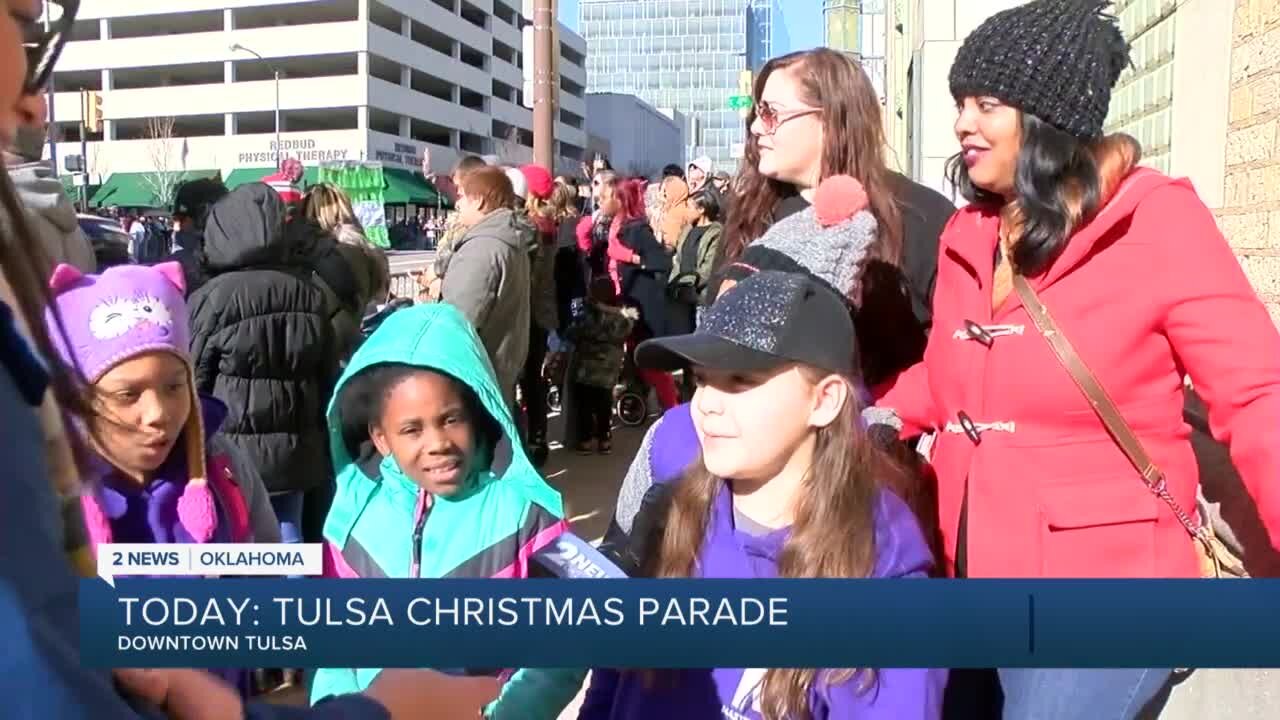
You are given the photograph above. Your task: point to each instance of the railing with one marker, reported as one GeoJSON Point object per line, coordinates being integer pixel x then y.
{"type": "Point", "coordinates": [405, 266]}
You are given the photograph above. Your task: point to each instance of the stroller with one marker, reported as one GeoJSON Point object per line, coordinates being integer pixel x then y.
{"type": "Point", "coordinates": [630, 404]}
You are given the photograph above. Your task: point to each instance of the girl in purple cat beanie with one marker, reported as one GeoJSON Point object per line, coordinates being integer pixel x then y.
{"type": "Point", "coordinates": [159, 471]}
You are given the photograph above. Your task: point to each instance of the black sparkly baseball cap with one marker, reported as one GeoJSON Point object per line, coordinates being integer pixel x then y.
{"type": "Point", "coordinates": [767, 320]}
{"type": "Point", "coordinates": [1055, 59]}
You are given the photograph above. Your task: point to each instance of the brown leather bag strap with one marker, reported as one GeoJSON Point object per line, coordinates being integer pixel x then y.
{"type": "Point", "coordinates": [1102, 404]}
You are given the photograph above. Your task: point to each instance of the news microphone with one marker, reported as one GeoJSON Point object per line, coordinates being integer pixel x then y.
{"type": "Point", "coordinates": [572, 558]}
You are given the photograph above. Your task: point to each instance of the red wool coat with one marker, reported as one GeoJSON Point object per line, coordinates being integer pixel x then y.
{"type": "Point", "coordinates": [1147, 291]}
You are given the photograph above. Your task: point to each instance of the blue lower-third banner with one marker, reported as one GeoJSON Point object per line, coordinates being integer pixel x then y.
{"type": "Point", "coordinates": [679, 623]}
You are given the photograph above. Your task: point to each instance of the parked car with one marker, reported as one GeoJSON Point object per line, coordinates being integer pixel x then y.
{"type": "Point", "coordinates": [110, 241]}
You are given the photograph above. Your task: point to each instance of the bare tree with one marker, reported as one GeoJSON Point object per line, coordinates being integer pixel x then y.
{"type": "Point", "coordinates": [166, 162]}
{"type": "Point", "coordinates": [98, 165]}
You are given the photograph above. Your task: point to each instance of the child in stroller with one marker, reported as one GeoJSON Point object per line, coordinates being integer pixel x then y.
{"type": "Point", "coordinates": [630, 404]}
{"type": "Point", "coordinates": [598, 333]}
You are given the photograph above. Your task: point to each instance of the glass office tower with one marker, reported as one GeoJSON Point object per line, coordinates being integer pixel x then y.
{"type": "Point", "coordinates": [681, 54]}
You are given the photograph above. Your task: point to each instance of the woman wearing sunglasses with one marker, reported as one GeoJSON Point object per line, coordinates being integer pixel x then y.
{"type": "Point", "coordinates": [816, 115]}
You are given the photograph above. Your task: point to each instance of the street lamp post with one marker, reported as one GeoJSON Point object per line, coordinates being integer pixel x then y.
{"type": "Point", "coordinates": [237, 47]}
{"type": "Point", "coordinates": [544, 83]}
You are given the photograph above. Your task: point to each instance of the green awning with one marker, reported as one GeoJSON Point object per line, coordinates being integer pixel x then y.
{"type": "Point", "coordinates": [137, 190]}
{"type": "Point", "coordinates": [243, 176]}
{"type": "Point", "coordinates": [406, 186]}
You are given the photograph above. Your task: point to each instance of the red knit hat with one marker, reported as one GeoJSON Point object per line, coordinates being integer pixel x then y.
{"type": "Point", "coordinates": [539, 180]}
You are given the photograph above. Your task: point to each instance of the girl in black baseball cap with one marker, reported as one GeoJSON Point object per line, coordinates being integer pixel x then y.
{"type": "Point", "coordinates": [787, 485]}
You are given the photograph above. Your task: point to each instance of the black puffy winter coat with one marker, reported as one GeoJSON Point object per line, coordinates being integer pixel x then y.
{"type": "Point", "coordinates": [262, 340]}
{"type": "Point", "coordinates": [644, 286]}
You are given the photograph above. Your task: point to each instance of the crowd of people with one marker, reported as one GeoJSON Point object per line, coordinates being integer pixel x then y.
{"type": "Point", "coordinates": [874, 385]}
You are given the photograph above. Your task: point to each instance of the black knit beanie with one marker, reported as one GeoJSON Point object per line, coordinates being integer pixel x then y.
{"type": "Point", "coordinates": [1055, 59]}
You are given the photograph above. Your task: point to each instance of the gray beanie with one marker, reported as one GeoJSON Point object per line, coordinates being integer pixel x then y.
{"type": "Point", "coordinates": [831, 238]}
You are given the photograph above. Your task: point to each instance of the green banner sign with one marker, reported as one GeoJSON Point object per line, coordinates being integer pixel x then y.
{"type": "Point", "coordinates": [739, 102]}
{"type": "Point", "coordinates": [363, 182]}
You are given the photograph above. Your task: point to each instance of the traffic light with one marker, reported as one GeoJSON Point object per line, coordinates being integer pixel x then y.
{"type": "Point", "coordinates": [93, 111]}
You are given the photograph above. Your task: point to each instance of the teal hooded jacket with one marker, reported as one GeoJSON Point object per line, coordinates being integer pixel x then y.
{"type": "Point", "coordinates": [381, 524]}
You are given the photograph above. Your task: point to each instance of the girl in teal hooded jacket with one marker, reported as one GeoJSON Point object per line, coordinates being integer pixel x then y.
{"type": "Point", "coordinates": [432, 482]}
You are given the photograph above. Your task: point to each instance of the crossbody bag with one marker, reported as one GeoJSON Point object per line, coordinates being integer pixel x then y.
{"type": "Point", "coordinates": [1216, 561]}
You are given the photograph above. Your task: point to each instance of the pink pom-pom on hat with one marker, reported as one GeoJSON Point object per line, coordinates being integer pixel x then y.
{"type": "Point", "coordinates": [838, 199]}
{"type": "Point", "coordinates": [64, 276]}
{"type": "Point", "coordinates": [197, 511]}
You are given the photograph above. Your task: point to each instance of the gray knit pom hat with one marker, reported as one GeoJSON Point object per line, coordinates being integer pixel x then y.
{"type": "Point", "coordinates": [832, 237]}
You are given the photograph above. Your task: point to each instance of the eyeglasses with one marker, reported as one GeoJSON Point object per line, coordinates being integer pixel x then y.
{"type": "Point", "coordinates": [44, 46]}
{"type": "Point", "coordinates": [772, 118]}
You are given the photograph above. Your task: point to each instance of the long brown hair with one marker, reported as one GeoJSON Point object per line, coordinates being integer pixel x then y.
{"type": "Point", "coordinates": [832, 535]}
{"type": "Point", "coordinates": [563, 202]}
{"type": "Point", "coordinates": [853, 144]}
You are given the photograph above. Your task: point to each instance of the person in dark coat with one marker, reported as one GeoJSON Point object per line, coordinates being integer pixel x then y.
{"type": "Point", "coordinates": [263, 343]}
{"type": "Point", "coordinates": [644, 265]}
{"type": "Point", "coordinates": [191, 205]}
{"type": "Point", "coordinates": [334, 274]}
{"type": "Point", "coordinates": [644, 285]}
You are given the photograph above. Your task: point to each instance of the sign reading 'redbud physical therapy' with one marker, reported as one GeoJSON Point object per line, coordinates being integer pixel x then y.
{"type": "Point", "coordinates": [306, 150]}
{"type": "Point", "coordinates": [403, 154]}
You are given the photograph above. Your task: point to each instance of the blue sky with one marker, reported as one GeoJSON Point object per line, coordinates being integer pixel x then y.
{"type": "Point", "coordinates": [803, 19]}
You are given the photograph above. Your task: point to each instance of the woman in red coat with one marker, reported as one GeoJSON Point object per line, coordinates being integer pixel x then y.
{"type": "Point", "coordinates": [1137, 276]}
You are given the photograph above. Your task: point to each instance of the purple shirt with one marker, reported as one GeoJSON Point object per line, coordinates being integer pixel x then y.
{"type": "Point", "coordinates": [727, 552]}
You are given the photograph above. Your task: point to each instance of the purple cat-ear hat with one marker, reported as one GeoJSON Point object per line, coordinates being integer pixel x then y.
{"type": "Point", "coordinates": [122, 313]}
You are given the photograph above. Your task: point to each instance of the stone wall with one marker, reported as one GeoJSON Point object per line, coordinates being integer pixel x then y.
{"type": "Point", "coordinates": [1250, 213]}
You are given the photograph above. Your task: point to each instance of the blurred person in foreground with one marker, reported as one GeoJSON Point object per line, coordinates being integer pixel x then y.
{"type": "Point", "coordinates": [51, 214]}
{"type": "Point", "coordinates": [38, 584]}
